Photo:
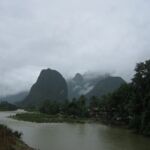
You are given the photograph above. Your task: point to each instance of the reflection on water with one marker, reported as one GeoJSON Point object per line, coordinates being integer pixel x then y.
{"type": "Point", "coordinates": [63, 136]}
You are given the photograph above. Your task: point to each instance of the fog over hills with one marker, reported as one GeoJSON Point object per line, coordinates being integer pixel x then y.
{"type": "Point", "coordinates": [15, 97]}
{"type": "Point", "coordinates": [88, 84]}
{"type": "Point", "coordinates": [92, 85]}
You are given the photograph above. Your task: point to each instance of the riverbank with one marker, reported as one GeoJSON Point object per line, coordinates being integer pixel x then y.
{"type": "Point", "coordinates": [44, 118]}
{"type": "Point", "coordinates": [38, 117]}
{"type": "Point", "coordinates": [10, 140]}
{"type": "Point", "coordinates": [56, 136]}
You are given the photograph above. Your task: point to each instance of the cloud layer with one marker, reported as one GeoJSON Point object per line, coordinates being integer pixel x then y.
{"type": "Point", "coordinates": [71, 36]}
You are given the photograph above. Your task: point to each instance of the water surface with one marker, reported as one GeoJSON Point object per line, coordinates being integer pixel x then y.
{"type": "Point", "coordinates": [64, 136]}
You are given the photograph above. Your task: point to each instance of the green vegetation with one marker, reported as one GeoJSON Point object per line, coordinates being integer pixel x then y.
{"type": "Point", "coordinates": [128, 106]}
{"type": "Point", "coordinates": [74, 109]}
{"type": "Point", "coordinates": [5, 106]}
{"type": "Point", "coordinates": [44, 118]}
{"type": "Point", "coordinates": [10, 140]}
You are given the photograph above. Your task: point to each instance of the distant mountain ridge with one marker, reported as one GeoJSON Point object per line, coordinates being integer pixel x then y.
{"type": "Point", "coordinates": [15, 98]}
{"type": "Point", "coordinates": [105, 86]}
{"type": "Point", "coordinates": [51, 85]}
{"type": "Point", "coordinates": [93, 86]}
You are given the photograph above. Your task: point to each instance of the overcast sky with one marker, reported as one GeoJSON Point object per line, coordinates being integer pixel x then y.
{"type": "Point", "coordinates": [71, 36]}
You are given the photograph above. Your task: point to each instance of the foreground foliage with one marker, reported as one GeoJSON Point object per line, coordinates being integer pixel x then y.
{"type": "Point", "coordinates": [10, 140]}
{"type": "Point", "coordinates": [130, 104]}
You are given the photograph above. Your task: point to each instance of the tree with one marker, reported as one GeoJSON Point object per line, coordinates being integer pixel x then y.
{"type": "Point", "coordinates": [82, 106]}
{"type": "Point", "coordinates": [141, 84]}
{"type": "Point", "coordinates": [50, 107]}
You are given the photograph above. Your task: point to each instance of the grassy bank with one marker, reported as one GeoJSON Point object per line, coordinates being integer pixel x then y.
{"type": "Point", "coordinates": [10, 140]}
{"type": "Point", "coordinates": [59, 118]}
{"type": "Point", "coordinates": [44, 118]}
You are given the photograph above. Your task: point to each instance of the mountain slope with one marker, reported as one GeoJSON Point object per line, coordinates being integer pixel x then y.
{"type": "Point", "coordinates": [105, 86]}
{"type": "Point", "coordinates": [83, 84]}
{"type": "Point", "coordinates": [50, 86]}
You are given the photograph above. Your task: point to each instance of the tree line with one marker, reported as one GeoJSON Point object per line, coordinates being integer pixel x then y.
{"type": "Point", "coordinates": [129, 105]}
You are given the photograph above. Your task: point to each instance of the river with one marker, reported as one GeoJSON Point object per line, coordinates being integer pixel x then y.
{"type": "Point", "coordinates": [65, 136]}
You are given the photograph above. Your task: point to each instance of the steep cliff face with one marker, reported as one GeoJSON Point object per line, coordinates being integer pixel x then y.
{"type": "Point", "coordinates": [50, 86]}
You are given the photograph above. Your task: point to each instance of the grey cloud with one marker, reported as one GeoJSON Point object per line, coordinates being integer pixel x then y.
{"type": "Point", "coordinates": [71, 36]}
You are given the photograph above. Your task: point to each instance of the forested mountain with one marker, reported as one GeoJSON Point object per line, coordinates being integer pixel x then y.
{"type": "Point", "coordinates": [93, 86]}
{"type": "Point", "coordinates": [105, 86]}
{"type": "Point", "coordinates": [50, 86]}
